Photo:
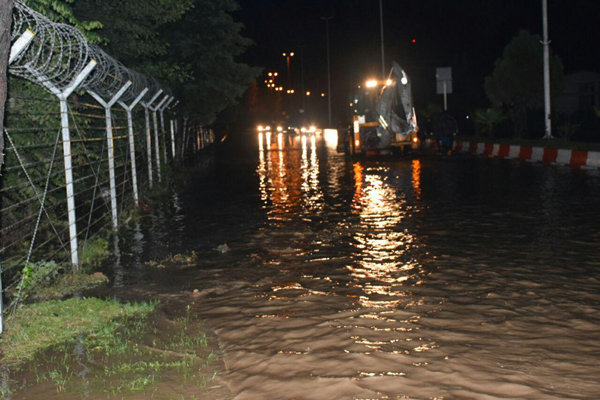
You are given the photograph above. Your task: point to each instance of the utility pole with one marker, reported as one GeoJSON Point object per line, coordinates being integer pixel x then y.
{"type": "Point", "coordinates": [326, 19]}
{"type": "Point", "coordinates": [382, 47]}
{"type": "Point", "coordinates": [302, 77]}
{"type": "Point", "coordinates": [546, 44]}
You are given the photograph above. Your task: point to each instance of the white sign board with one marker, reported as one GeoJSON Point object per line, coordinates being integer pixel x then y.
{"type": "Point", "coordinates": [443, 76]}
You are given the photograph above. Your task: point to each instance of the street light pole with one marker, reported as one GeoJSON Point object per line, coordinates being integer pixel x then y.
{"type": "Point", "coordinates": [289, 75]}
{"type": "Point", "coordinates": [381, 32]}
{"type": "Point", "coordinates": [546, 44]}
{"type": "Point", "coordinates": [326, 19]}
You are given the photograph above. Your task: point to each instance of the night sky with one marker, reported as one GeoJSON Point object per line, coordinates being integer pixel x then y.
{"type": "Point", "coordinates": [468, 35]}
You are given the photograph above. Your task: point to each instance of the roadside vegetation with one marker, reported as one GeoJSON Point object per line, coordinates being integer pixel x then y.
{"type": "Point", "coordinates": [39, 326]}
{"type": "Point", "coordinates": [123, 348]}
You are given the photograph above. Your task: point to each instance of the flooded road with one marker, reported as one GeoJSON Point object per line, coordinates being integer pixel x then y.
{"type": "Point", "coordinates": [422, 278]}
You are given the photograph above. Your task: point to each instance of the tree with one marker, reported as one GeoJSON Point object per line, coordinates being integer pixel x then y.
{"type": "Point", "coordinates": [189, 45]}
{"type": "Point", "coordinates": [62, 11]}
{"type": "Point", "coordinates": [486, 120]}
{"type": "Point", "coordinates": [132, 28]}
{"type": "Point", "coordinates": [207, 41]}
{"type": "Point", "coordinates": [6, 8]}
{"type": "Point", "coordinates": [517, 82]}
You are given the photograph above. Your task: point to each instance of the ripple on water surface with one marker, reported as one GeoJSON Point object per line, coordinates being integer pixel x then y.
{"type": "Point", "coordinates": [411, 279]}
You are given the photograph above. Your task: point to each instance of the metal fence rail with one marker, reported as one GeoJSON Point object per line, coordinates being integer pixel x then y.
{"type": "Point", "coordinates": [78, 150]}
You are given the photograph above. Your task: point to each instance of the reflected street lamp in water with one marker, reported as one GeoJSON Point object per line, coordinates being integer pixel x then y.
{"type": "Point", "coordinates": [287, 56]}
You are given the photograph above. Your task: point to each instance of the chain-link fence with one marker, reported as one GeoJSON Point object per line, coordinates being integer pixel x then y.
{"type": "Point", "coordinates": [84, 137]}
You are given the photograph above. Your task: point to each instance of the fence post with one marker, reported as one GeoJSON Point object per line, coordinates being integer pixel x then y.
{"type": "Point", "coordinates": [172, 140]}
{"type": "Point", "coordinates": [129, 109]}
{"type": "Point", "coordinates": [156, 141]}
{"type": "Point", "coordinates": [110, 146]}
{"type": "Point", "coordinates": [20, 44]}
{"type": "Point", "coordinates": [66, 138]}
{"type": "Point", "coordinates": [184, 141]}
{"type": "Point", "coordinates": [162, 126]}
{"type": "Point", "coordinates": [149, 134]}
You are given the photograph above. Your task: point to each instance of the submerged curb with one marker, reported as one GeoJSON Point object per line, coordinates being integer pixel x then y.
{"type": "Point", "coordinates": [574, 158]}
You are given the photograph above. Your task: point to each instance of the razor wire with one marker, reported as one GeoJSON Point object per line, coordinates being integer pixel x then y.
{"type": "Point", "coordinates": [57, 58]}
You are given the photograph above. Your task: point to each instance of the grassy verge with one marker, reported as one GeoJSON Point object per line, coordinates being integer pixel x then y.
{"type": "Point", "coordinates": [68, 284]}
{"type": "Point", "coordinates": [39, 326]}
{"type": "Point", "coordinates": [104, 349]}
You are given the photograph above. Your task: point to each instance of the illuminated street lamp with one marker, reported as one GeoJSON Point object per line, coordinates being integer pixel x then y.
{"type": "Point", "coordinates": [287, 57]}
{"type": "Point", "coordinates": [308, 92]}
{"type": "Point", "coordinates": [371, 83]}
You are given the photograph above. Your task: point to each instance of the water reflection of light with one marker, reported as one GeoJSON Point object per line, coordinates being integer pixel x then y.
{"type": "Point", "coordinates": [312, 189]}
{"type": "Point", "coordinates": [268, 136]}
{"type": "Point", "coordinates": [260, 142]}
{"type": "Point", "coordinates": [382, 243]}
{"type": "Point", "coordinates": [358, 178]}
{"type": "Point", "coordinates": [416, 178]}
{"type": "Point", "coordinates": [384, 270]}
{"type": "Point", "coordinates": [304, 147]}
{"type": "Point", "coordinates": [262, 176]}
{"type": "Point", "coordinates": [288, 178]}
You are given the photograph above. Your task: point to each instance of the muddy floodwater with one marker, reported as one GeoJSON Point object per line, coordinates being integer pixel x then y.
{"type": "Point", "coordinates": [428, 277]}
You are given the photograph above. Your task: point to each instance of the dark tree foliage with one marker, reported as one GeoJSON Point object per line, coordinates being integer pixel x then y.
{"type": "Point", "coordinates": [206, 43]}
{"type": "Point", "coordinates": [62, 11]}
{"type": "Point", "coordinates": [190, 45]}
{"type": "Point", "coordinates": [517, 82]}
{"type": "Point", "coordinates": [131, 29]}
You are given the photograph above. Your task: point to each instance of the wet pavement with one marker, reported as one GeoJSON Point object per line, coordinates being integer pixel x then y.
{"type": "Point", "coordinates": [427, 277]}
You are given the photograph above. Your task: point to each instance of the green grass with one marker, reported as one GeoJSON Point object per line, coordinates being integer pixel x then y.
{"type": "Point", "coordinates": [68, 284]}
{"type": "Point", "coordinates": [94, 251]}
{"type": "Point", "coordinates": [127, 352]}
{"type": "Point", "coordinates": [39, 326]}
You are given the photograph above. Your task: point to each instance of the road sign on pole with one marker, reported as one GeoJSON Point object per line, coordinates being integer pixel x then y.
{"type": "Point", "coordinates": [443, 76]}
